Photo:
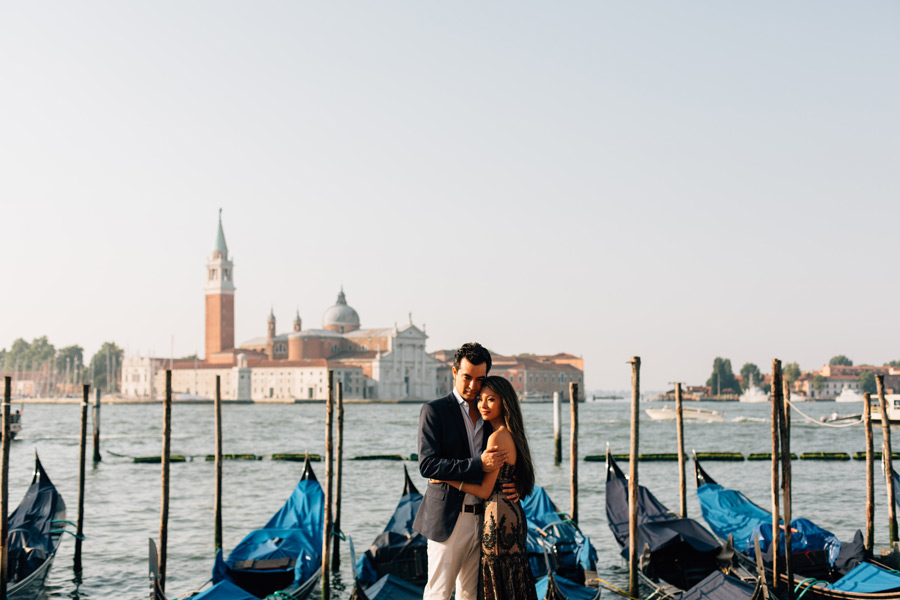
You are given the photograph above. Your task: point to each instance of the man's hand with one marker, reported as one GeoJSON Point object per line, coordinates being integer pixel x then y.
{"type": "Point", "coordinates": [492, 459]}
{"type": "Point", "coordinates": [509, 488]}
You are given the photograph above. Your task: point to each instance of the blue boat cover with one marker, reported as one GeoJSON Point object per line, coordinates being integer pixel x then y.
{"type": "Point", "coordinates": [575, 552]}
{"type": "Point", "coordinates": [295, 531]}
{"type": "Point", "coordinates": [719, 586]}
{"type": "Point", "coordinates": [570, 590]}
{"type": "Point", "coordinates": [30, 542]}
{"type": "Point", "coordinates": [866, 578]}
{"type": "Point", "coordinates": [397, 541]}
{"type": "Point", "coordinates": [729, 512]}
{"type": "Point", "coordinates": [224, 590]}
{"type": "Point", "coordinates": [391, 587]}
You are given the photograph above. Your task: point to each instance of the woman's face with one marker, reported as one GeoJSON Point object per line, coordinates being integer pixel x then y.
{"type": "Point", "coordinates": [489, 404]}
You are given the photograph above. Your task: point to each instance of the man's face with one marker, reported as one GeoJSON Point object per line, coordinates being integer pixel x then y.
{"type": "Point", "coordinates": [468, 379]}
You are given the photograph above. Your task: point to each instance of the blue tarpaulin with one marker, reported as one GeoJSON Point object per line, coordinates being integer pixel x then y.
{"type": "Point", "coordinates": [729, 512]}
{"type": "Point", "coordinates": [569, 589]}
{"type": "Point", "coordinates": [294, 532]}
{"type": "Point", "coordinates": [391, 587]}
{"type": "Point", "coordinates": [575, 552]}
{"type": "Point", "coordinates": [866, 578]}
{"type": "Point", "coordinates": [225, 590]}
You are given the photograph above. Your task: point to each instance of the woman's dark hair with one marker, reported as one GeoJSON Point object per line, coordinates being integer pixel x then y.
{"type": "Point", "coordinates": [512, 418]}
{"type": "Point", "coordinates": [473, 352]}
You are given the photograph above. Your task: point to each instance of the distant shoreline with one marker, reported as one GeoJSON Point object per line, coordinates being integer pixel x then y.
{"type": "Point", "coordinates": [115, 400]}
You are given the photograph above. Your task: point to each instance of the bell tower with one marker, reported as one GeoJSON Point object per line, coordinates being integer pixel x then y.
{"type": "Point", "coordinates": [219, 290]}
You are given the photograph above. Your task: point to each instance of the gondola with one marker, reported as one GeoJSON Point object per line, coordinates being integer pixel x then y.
{"type": "Point", "coordinates": [678, 557]}
{"type": "Point", "coordinates": [283, 559]}
{"type": "Point", "coordinates": [398, 555]}
{"type": "Point", "coordinates": [554, 533]}
{"type": "Point", "coordinates": [824, 568]}
{"type": "Point", "coordinates": [35, 532]}
{"type": "Point", "coordinates": [395, 567]}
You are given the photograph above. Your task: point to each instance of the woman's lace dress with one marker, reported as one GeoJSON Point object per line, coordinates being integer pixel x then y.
{"type": "Point", "coordinates": [504, 560]}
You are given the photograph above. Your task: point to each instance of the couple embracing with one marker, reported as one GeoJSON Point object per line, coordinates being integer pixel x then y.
{"type": "Point", "coordinates": [473, 449]}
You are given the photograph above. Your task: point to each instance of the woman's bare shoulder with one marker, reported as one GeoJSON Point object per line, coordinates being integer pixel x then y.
{"type": "Point", "coordinates": [501, 438]}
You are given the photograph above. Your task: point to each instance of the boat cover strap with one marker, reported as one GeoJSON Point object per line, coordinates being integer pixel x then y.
{"type": "Point", "coordinates": [265, 564]}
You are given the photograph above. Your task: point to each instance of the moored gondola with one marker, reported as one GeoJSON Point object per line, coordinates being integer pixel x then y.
{"type": "Point", "coordinates": [282, 559]}
{"type": "Point", "coordinates": [35, 531]}
{"type": "Point", "coordinates": [824, 568]}
{"type": "Point", "coordinates": [398, 552]}
{"type": "Point", "coordinates": [678, 557]}
{"type": "Point", "coordinates": [395, 567]}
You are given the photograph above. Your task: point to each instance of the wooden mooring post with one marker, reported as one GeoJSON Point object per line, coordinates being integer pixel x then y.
{"type": "Point", "coordinates": [4, 486]}
{"type": "Point", "coordinates": [79, 526]}
{"type": "Point", "coordinates": [679, 420]}
{"type": "Point", "coordinates": [326, 530]}
{"type": "Point", "coordinates": [776, 464]}
{"type": "Point", "coordinates": [785, 436]}
{"type": "Point", "coordinates": [164, 500]}
{"type": "Point", "coordinates": [573, 452]}
{"type": "Point", "coordinates": [217, 540]}
{"type": "Point", "coordinates": [95, 420]}
{"type": "Point", "coordinates": [557, 438]}
{"type": "Point", "coordinates": [887, 457]}
{"type": "Point", "coordinates": [633, 550]}
{"type": "Point", "coordinates": [870, 474]}
{"type": "Point", "coordinates": [336, 550]}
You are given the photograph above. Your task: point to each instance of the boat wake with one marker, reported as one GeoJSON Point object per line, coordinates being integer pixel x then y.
{"type": "Point", "coordinates": [749, 420]}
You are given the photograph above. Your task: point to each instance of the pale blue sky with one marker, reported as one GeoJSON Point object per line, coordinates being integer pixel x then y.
{"type": "Point", "coordinates": [672, 180]}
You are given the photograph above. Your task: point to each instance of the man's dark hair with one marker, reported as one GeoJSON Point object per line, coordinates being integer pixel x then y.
{"type": "Point", "coordinates": [473, 352]}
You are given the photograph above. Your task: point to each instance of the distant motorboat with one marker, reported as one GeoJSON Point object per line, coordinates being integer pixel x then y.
{"type": "Point", "coordinates": [893, 408]}
{"type": "Point", "coordinates": [836, 417]}
{"type": "Point", "coordinates": [848, 395]}
{"type": "Point", "coordinates": [754, 394]}
{"type": "Point", "coordinates": [688, 413]}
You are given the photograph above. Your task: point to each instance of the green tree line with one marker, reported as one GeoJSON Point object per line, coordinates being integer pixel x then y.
{"type": "Point", "coordinates": [42, 356]}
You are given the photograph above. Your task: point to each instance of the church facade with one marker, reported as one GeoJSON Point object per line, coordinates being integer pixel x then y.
{"type": "Point", "coordinates": [382, 363]}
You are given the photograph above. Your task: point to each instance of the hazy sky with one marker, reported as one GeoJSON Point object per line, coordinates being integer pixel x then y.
{"type": "Point", "coordinates": [671, 180]}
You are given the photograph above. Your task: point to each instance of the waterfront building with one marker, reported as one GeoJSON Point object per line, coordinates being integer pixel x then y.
{"type": "Point", "coordinates": [534, 377]}
{"type": "Point", "coordinates": [380, 363]}
{"type": "Point", "coordinates": [831, 380]}
{"type": "Point", "coordinates": [139, 376]}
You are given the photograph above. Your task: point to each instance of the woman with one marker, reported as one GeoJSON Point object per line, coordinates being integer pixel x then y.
{"type": "Point", "coordinates": [505, 572]}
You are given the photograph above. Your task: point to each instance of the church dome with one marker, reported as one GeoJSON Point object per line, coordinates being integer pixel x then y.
{"type": "Point", "coordinates": [341, 317]}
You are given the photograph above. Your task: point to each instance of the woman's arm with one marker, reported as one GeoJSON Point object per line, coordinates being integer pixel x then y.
{"type": "Point", "coordinates": [484, 489]}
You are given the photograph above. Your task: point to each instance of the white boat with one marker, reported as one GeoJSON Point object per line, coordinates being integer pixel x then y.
{"type": "Point", "coordinates": [688, 413]}
{"type": "Point", "coordinates": [893, 408]}
{"type": "Point", "coordinates": [754, 394]}
{"type": "Point", "coordinates": [848, 395]}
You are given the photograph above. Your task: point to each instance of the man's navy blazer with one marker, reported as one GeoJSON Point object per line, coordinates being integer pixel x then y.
{"type": "Point", "coordinates": [444, 454]}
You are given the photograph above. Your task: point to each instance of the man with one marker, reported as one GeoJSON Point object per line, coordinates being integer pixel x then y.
{"type": "Point", "coordinates": [452, 438]}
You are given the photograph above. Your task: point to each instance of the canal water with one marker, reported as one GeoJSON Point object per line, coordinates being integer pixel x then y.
{"type": "Point", "coordinates": [123, 498]}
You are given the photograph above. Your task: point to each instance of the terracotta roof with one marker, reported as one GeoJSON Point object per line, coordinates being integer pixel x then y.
{"type": "Point", "coordinates": [355, 355]}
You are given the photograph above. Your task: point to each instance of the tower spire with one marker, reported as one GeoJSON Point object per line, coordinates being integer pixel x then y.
{"type": "Point", "coordinates": [221, 246]}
